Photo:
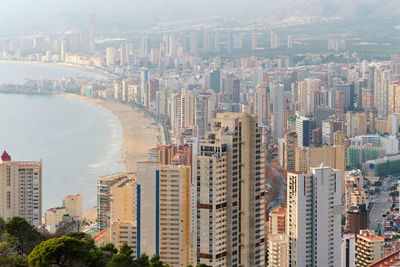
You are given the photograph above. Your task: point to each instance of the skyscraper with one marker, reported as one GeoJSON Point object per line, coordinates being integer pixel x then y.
{"type": "Point", "coordinates": [314, 217]}
{"type": "Point", "coordinates": [125, 221]}
{"type": "Point", "coordinates": [110, 56]}
{"type": "Point", "coordinates": [394, 98]}
{"type": "Point", "coordinates": [215, 80]}
{"type": "Point", "coordinates": [145, 46]}
{"type": "Point", "coordinates": [21, 189]}
{"type": "Point", "coordinates": [105, 186]}
{"type": "Point", "coordinates": [304, 127]}
{"type": "Point", "coordinates": [228, 194]}
{"type": "Point", "coordinates": [175, 215]}
{"type": "Point", "coordinates": [369, 248]}
{"type": "Point", "coordinates": [92, 32]}
{"type": "Point", "coordinates": [277, 103]}
{"type": "Point", "coordinates": [382, 80]}
{"type": "Point", "coordinates": [253, 39]}
{"type": "Point", "coordinates": [274, 41]}
{"type": "Point", "coordinates": [123, 55]}
{"type": "Point", "coordinates": [201, 116]}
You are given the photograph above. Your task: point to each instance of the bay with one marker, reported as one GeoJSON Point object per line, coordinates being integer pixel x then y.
{"type": "Point", "coordinates": [77, 141]}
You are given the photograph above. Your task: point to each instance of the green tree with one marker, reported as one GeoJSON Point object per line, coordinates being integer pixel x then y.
{"type": "Point", "coordinates": [143, 261]}
{"type": "Point", "coordinates": [25, 235]}
{"type": "Point", "coordinates": [2, 226]}
{"type": "Point", "coordinates": [110, 248]}
{"type": "Point", "coordinates": [124, 258]}
{"type": "Point", "coordinates": [63, 251]}
{"type": "Point", "coordinates": [156, 262]}
{"type": "Point", "coordinates": [109, 251]}
{"type": "Point", "coordinates": [8, 256]}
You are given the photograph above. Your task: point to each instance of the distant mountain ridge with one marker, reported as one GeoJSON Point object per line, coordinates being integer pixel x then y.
{"type": "Point", "coordinates": [279, 10]}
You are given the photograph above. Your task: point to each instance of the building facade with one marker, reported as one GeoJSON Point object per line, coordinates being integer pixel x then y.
{"type": "Point", "coordinates": [21, 189]}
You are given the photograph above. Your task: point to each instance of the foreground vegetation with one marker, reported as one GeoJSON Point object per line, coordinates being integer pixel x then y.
{"type": "Point", "coordinates": [22, 245]}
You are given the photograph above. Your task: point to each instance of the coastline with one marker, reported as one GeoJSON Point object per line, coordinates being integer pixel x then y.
{"type": "Point", "coordinates": [139, 135]}
{"type": "Point", "coordinates": [64, 65]}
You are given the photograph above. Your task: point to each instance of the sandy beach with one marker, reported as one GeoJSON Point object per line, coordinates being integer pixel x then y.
{"type": "Point", "coordinates": [140, 134]}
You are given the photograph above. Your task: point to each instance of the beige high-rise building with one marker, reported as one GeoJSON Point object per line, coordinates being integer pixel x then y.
{"type": "Point", "coordinates": [302, 159]}
{"type": "Point", "coordinates": [74, 205]}
{"type": "Point", "coordinates": [278, 250]}
{"type": "Point", "coordinates": [175, 219]}
{"type": "Point", "coordinates": [54, 215]}
{"type": "Point", "coordinates": [124, 219]}
{"type": "Point", "coordinates": [312, 157]}
{"type": "Point", "coordinates": [382, 81]}
{"type": "Point", "coordinates": [356, 124]}
{"type": "Point", "coordinates": [290, 151]}
{"type": "Point", "coordinates": [277, 221]}
{"type": "Point", "coordinates": [21, 189]}
{"type": "Point", "coordinates": [105, 186]}
{"type": "Point", "coordinates": [229, 199]}
{"type": "Point", "coordinates": [369, 248]}
{"type": "Point", "coordinates": [394, 98]}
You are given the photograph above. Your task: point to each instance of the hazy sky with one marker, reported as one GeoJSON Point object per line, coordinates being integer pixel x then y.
{"type": "Point", "coordinates": [39, 15]}
{"type": "Point", "coordinates": [35, 13]}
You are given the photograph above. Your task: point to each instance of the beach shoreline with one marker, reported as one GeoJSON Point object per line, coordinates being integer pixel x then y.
{"type": "Point", "coordinates": [139, 135]}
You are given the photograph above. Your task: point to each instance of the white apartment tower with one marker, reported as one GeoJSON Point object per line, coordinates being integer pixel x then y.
{"type": "Point", "coordinates": [229, 197]}
{"type": "Point", "coordinates": [314, 217]}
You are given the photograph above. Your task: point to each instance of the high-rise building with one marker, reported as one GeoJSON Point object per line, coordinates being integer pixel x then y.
{"type": "Point", "coordinates": [148, 177]}
{"type": "Point", "coordinates": [201, 116]}
{"type": "Point", "coordinates": [186, 109]}
{"type": "Point", "coordinates": [289, 161]}
{"type": "Point", "coordinates": [395, 64]}
{"type": "Point", "coordinates": [369, 248]}
{"type": "Point", "coordinates": [21, 189]}
{"type": "Point", "coordinates": [254, 39]}
{"type": "Point", "coordinates": [278, 250]}
{"type": "Point", "coordinates": [274, 39]}
{"type": "Point", "coordinates": [356, 124]}
{"type": "Point", "coordinates": [105, 185]}
{"type": "Point", "coordinates": [367, 99]}
{"type": "Point", "coordinates": [92, 32]}
{"type": "Point", "coordinates": [314, 217]}
{"type": "Point", "coordinates": [145, 46]}
{"type": "Point", "coordinates": [347, 91]}
{"type": "Point", "coordinates": [356, 219]}
{"type": "Point", "coordinates": [151, 90]}
{"type": "Point", "coordinates": [110, 56]}
{"type": "Point", "coordinates": [394, 98]}
{"type": "Point", "coordinates": [382, 80]}
{"type": "Point", "coordinates": [125, 218]}
{"type": "Point", "coordinates": [123, 54]}
{"type": "Point", "coordinates": [348, 250]}
{"type": "Point", "coordinates": [277, 221]}
{"type": "Point", "coordinates": [229, 205]}
{"type": "Point", "coordinates": [144, 79]}
{"type": "Point", "coordinates": [175, 215]}
{"type": "Point", "coordinates": [277, 103]}
{"type": "Point", "coordinates": [74, 205]}
{"type": "Point", "coordinates": [304, 127]}
{"type": "Point", "coordinates": [193, 43]}
{"type": "Point", "coordinates": [215, 80]}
